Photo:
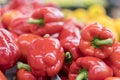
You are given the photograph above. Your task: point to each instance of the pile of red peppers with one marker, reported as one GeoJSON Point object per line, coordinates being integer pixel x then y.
{"type": "Point", "coordinates": [42, 45]}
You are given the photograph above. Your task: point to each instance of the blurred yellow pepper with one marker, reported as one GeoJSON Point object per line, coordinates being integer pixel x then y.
{"type": "Point", "coordinates": [95, 11]}
{"type": "Point", "coordinates": [81, 15]}
{"type": "Point", "coordinates": [68, 13]}
{"type": "Point", "coordinates": [117, 26]}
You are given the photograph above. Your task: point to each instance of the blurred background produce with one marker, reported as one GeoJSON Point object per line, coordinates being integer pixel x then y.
{"type": "Point", "coordinates": [106, 12]}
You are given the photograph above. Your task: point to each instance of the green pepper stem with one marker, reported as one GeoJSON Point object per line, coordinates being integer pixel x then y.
{"type": "Point", "coordinates": [82, 75]}
{"type": "Point", "coordinates": [99, 42]}
{"type": "Point", "coordinates": [36, 21]}
{"type": "Point", "coordinates": [23, 65]}
{"type": "Point", "coordinates": [103, 42]}
{"type": "Point", "coordinates": [68, 57]}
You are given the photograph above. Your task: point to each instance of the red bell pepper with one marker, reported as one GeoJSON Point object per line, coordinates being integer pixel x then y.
{"type": "Point", "coordinates": [89, 68]}
{"type": "Point", "coordinates": [13, 4]}
{"type": "Point", "coordinates": [9, 51]}
{"type": "Point", "coordinates": [8, 16]}
{"type": "Point", "coordinates": [112, 78]}
{"type": "Point", "coordinates": [48, 20]}
{"type": "Point", "coordinates": [20, 26]}
{"type": "Point", "coordinates": [26, 7]}
{"type": "Point", "coordinates": [69, 38]}
{"type": "Point", "coordinates": [24, 73]}
{"type": "Point", "coordinates": [115, 59]}
{"type": "Point", "coordinates": [24, 41]}
{"type": "Point", "coordinates": [45, 57]}
{"type": "Point", "coordinates": [2, 76]}
{"type": "Point", "coordinates": [97, 41]}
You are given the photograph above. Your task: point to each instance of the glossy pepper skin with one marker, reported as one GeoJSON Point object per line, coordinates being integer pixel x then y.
{"type": "Point", "coordinates": [13, 4]}
{"type": "Point", "coordinates": [97, 41]}
{"type": "Point", "coordinates": [9, 51]}
{"type": "Point", "coordinates": [70, 37]}
{"type": "Point", "coordinates": [91, 68]}
{"type": "Point", "coordinates": [115, 59]}
{"type": "Point", "coordinates": [1, 25]}
{"type": "Point", "coordinates": [2, 76]}
{"type": "Point", "coordinates": [112, 78]}
{"type": "Point", "coordinates": [8, 16]}
{"type": "Point", "coordinates": [48, 20]}
{"type": "Point", "coordinates": [20, 26]}
{"type": "Point", "coordinates": [45, 57]}
{"type": "Point", "coordinates": [23, 74]}
{"type": "Point", "coordinates": [24, 40]}
{"type": "Point", "coordinates": [23, 6]}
